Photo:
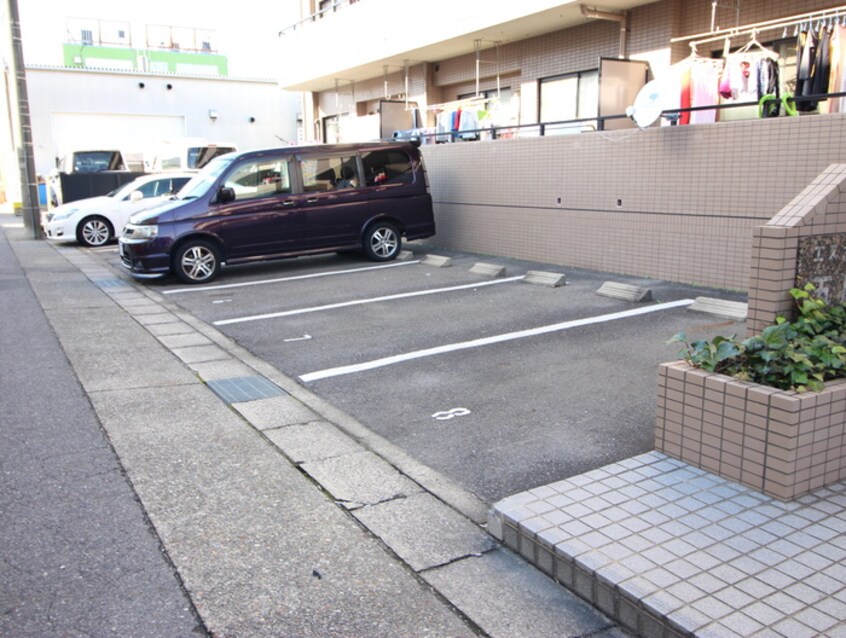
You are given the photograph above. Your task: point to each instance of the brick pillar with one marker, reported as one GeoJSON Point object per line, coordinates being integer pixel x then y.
{"type": "Point", "coordinates": [815, 221]}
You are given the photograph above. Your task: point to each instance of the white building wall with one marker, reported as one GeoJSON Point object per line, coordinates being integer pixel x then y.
{"type": "Point", "coordinates": [153, 111]}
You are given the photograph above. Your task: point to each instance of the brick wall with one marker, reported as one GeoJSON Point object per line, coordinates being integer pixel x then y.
{"type": "Point", "coordinates": [675, 203]}
{"type": "Point", "coordinates": [781, 443]}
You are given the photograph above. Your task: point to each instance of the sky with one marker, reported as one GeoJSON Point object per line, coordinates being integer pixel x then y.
{"type": "Point", "coordinates": [246, 31]}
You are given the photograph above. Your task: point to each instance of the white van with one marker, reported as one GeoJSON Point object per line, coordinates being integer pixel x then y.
{"type": "Point", "coordinates": [97, 161]}
{"type": "Point", "coordinates": [188, 155]}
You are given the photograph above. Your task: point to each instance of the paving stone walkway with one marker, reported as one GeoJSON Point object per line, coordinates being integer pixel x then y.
{"type": "Point", "coordinates": [670, 550]}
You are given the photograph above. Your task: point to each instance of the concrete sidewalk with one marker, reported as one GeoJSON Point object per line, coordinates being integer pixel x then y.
{"type": "Point", "coordinates": [278, 515]}
{"type": "Point", "coordinates": [79, 557]}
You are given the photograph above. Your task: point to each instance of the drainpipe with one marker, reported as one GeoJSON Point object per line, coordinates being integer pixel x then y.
{"type": "Point", "coordinates": [622, 18]}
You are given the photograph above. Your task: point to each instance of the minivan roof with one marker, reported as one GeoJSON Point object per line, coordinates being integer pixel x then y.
{"type": "Point", "coordinates": [332, 149]}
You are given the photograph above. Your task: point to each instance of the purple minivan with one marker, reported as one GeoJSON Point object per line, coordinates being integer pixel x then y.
{"type": "Point", "coordinates": [284, 202]}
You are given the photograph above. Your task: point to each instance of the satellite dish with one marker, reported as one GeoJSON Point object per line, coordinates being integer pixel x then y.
{"type": "Point", "coordinates": [654, 98]}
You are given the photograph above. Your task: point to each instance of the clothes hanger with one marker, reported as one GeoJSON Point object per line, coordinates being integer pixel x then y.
{"type": "Point", "coordinates": [693, 53]}
{"type": "Point", "coordinates": [753, 42]}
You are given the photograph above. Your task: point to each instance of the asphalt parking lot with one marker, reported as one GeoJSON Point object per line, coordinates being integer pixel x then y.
{"type": "Point", "coordinates": [496, 383]}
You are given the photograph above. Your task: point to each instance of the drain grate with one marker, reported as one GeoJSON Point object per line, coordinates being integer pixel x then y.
{"type": "Point", "coordinates": [241, 389]}
{"type": "Point", "coordinates": [108, 284]}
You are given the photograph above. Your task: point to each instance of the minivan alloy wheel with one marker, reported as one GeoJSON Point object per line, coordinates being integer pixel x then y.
{"type": "Point", "coordinates": [382, 242]}
{"type": "Point", "coordinates": [197, 262]}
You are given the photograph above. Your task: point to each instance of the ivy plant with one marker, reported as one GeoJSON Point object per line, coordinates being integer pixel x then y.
{"type": "Point", "coordinates": [799, 355]}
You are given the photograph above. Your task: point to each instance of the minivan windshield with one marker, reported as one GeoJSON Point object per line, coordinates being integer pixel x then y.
{"type": "Point", "coordinates": [200, 184]}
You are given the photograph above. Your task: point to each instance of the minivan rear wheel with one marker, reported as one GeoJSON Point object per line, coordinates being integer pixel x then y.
{"type": "Point", "coordinates": [197, 262]}
{"type": "Point", "coordinates": [382, 241]}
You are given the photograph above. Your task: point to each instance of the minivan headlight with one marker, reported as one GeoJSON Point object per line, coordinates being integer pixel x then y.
{"type": "Point", "coordinates": [141, 231]}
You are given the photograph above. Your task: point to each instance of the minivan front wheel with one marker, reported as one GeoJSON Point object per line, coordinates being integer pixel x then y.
{"type": "Point", "coordinates": [196, 262]}
{"type": "Point", "coordinates": [382, 241]}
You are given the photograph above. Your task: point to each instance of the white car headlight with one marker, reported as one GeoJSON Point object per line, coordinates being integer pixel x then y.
{"type": "Point", "coordinates": [141, 231]}
{"type": "Point", "coordinates": [63, 214]}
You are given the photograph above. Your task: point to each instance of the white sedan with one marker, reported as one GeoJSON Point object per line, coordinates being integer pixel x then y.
{"type": "Point", "coordinates": [97, 220]}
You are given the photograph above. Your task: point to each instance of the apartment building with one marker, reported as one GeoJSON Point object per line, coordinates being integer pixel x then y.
{"type": "Point", "coordinates": [533, 61]}
{"type": "Point", "coordinates": [559, 173]}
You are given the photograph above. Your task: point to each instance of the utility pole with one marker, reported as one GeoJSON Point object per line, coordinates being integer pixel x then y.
{"type": "Point", "coordinates": [26, 159]}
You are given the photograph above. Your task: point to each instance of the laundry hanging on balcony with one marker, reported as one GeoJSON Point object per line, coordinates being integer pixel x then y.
{"type": "Point", "coordinates": [697, 80]}
{"type": "Point", "coordinates": [463, 121]}
{"type": "Point", "coordinates": [750, 74]}
{"type": "Point", "coordinates": [837, 72]}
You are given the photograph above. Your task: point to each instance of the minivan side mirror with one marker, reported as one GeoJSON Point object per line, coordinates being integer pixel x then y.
{"type": "Point", "coordinates": [225, 194]}
{"type": "Point", "coordinates": [135, 196]}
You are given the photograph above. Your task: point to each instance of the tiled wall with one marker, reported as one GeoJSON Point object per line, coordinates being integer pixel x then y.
{"type": "Point", "coordinates": [676, 203]}
{"type": "Point", "coordinates": [781, 443]}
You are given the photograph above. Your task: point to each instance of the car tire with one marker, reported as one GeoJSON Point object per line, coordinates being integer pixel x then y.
{"type": "Point", "coordinates": [94, 231]}
{"type": "Point", "coordinates": [382, 241]}
{"type": "Point", "coordinates": [196, 262]}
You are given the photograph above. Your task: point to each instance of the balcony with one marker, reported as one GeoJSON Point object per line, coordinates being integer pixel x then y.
{"type": "Point", "coordinates": [355, 41]}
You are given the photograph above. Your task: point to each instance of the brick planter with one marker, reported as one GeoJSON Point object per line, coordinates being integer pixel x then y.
{"type": "Point", "coordinates": [781, 443]}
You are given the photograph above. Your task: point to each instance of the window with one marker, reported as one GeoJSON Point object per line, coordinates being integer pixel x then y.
{"type": "Point", "coordinates": [160, 187]}
{"type": "Point", "coordinates": [170, 162]}
{"type": "Point", "coordinates": [96, 161]}
{"type": "Point", "coordinates": [332, 129]}
{"type": "Point", "coordinates": [87, 36]}
{"type": "Point", "coordinates": [154, 188]}
{"type": "Point", "coordinates": [387, 167]}
{"type": "Point", "coordinates": [176, 185]}
{"type": "Point", "coordinates": [569, 97]}
{"type": "Point", "coordinates": [329, 173]}
{"type": "Point", "coordinates": [260, 178]}
{"type": "Point", "coordinates": [199, 156]}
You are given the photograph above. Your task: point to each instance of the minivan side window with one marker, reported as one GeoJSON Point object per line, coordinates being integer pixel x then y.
{"type": "Point", "coordinates": [329, 173]}
{"type": "Point", "coordinates": [259, 178]}
{"type": "Point", "coordinates": [387, 167]}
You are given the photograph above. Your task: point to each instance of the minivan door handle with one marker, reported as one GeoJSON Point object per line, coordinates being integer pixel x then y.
{"type": "Point", "coordinates": [289, 202]}
{"type": "Point", "coordinates": [311, 200]}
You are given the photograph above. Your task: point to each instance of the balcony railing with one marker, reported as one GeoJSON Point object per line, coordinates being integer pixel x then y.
{"type": "Point", "coordinates": [330, 7]}
{"type": "Point", "coordinates": [542, 129]}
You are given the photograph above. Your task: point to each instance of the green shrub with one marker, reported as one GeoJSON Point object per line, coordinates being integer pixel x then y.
{"type": "Point", "coordinates": [799, 355]}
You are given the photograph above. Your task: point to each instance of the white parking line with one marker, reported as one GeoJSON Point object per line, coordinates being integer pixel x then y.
{"type": "Point", "coordinates": [295, 278]}
{"type": "Point", "coordinates": [359, 302]}
{"type": "Point", "coordinates": [476, 343]}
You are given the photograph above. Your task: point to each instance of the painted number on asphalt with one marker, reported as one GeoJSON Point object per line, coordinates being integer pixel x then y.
{"type": "Point", "coordinates": [448, 414]}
